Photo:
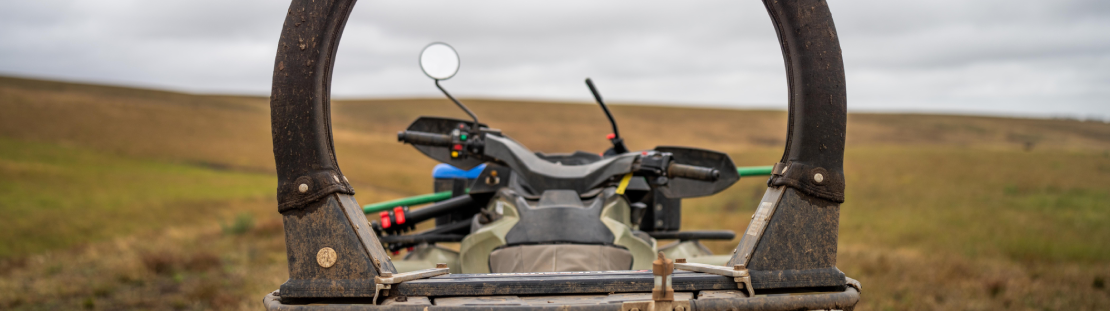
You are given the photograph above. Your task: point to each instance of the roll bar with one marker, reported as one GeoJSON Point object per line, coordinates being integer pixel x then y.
{"type": "Point", "coordinates": [333, 253]}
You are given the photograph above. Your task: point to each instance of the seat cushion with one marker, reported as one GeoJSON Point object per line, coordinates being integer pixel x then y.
{"type": "Point", "coordinates": [559, 258]}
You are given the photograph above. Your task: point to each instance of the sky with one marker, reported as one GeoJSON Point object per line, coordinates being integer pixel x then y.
{"type": "Point", "coordinates": [1031, 58]}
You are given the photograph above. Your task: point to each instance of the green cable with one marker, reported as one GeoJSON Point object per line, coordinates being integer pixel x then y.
{"type": "Point", "coordinates": [440, 196]}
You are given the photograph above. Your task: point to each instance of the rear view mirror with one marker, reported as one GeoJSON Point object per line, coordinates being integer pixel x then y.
{"type": "Point", "coordinates": [439, 61]}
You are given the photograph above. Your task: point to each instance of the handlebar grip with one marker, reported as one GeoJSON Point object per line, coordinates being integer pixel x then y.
{"type": "Point", "coordinates": [424, 138]}
{"type": "Point", "coordinates": [693, 172]}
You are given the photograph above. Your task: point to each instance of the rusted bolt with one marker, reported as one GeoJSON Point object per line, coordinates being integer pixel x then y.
{"type": "Point", "coordinates": [326, 257]}
{"type": "Point", "coordinates": [302, 188]}
{"type": "Point", "coordinates": [818, 177]}
{"type": "Point", "coordinates": [441, 266]}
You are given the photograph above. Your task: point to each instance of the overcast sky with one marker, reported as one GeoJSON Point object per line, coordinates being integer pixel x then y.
{"type": "Point", "coordinates": [1016, 57]}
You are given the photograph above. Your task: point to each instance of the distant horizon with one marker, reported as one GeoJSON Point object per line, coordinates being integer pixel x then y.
{"type": "Point", "coordinates": [694, 105]}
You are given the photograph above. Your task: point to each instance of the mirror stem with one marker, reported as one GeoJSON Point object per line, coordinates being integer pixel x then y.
{"type": "Point", "coordinates": [618, 143]}
{"type": "Point", "coordinates": [472, 116]}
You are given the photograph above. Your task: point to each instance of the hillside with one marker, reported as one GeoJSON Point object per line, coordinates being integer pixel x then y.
{"type": "Point", "coordinates": [129, 198]}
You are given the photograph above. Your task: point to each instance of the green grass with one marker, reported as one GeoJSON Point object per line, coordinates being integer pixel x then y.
{"type": "Point", "coordinates": [102, 188]}
{"type": "Point", "coordinates": [56, 196]}
{"type": "Point", "coordinates": [1025, 206]}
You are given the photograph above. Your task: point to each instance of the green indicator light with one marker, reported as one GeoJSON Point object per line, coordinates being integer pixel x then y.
{"type": "Point", "coordinates": [463, 137]}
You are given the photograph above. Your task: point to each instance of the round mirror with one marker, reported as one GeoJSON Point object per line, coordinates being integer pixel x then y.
{"type": "Point", "coordinates": [439, 61]}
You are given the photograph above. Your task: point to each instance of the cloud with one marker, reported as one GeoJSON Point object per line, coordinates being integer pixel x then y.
{"type": "Point", "coordinates": [1019, 57]}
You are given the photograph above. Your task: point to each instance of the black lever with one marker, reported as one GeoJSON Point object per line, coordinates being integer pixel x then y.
{"type": "Point", "coordinates": [618, 143]}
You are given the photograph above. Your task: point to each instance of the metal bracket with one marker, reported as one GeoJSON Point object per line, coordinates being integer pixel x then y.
{"type": "Point", "coordinates": [760, 219]}
{"type": "Point", "coordinates": [738, 273]}
{"type": "Point", "coordinates": [386, 280]}
{"type": "Point", "coordinates": [855, 284]}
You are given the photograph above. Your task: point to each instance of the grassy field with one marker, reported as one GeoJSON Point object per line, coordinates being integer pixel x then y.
{"type": "Point", "coordinates": [120, 198]}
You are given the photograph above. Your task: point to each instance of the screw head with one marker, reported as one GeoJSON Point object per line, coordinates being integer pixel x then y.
{"type": "Point", "coordinates": [302, 188]}
{"type": "Point", "coordinates": [326, 257]}
{"type": "Point", "coordinates": [818, 177]}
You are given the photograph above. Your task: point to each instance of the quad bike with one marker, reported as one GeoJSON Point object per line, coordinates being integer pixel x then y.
{"type": "Point", "coordinates": [567, 231]}
{"type": "Point", "coordinates": [515, 210]}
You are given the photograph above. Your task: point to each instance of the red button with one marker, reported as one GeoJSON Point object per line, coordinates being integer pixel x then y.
{"type": "Point", "coordinates": [385, 220]}
{"type": "Point", "coordinates": [399, 213]}
{"type": "Point", "coordinates": [610, 136]}
{"type": "Point", "coordinates": [457, 147]}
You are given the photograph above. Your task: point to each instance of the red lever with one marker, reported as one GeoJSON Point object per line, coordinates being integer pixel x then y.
{"type": "Point", "coordinates": [610, 136]}
{"type": "Point", "coordinates": [399, 213]}
{"type": "Point", "coordinates": [385, 220]}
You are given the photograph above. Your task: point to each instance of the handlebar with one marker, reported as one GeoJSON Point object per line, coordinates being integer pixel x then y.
{"type": "Point", "coordinates": [424, 138]}
{"type": "Point", "coordinates": [693, 172]}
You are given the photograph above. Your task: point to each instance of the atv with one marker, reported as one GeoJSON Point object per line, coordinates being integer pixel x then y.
{"type": "Point", "coordinates": [557, 230]}
{"type": "Point", "coordinates": [516, 211]}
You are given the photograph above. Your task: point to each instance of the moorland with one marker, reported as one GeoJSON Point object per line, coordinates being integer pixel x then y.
{"type": "Point", "coordinates": [125, 198]}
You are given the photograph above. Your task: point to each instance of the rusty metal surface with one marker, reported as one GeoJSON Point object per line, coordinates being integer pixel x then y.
{"type": "Point", "coordinates": [798, 248]}
{"type": "Point", "coordinates": [791, 243]}
{"type": "Point", "coordinates": [300, 112]}
{"type": "Point", "coordinates": [314, 197]}
{"type": "Point", "coordinates": [845, 300]}
{"type": "Point", "coordinates": [817, 91]}
{"type": "Point", "coordinates": [335, 222]}
{"type": "Point", "coordinates": [389, 278]}
{"type": "Point", "coordinates": [757, 226]}
{"type": "Point", "coordinates": [802, 235]}
{"type": "Point", "coordinates": [709, 301]}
